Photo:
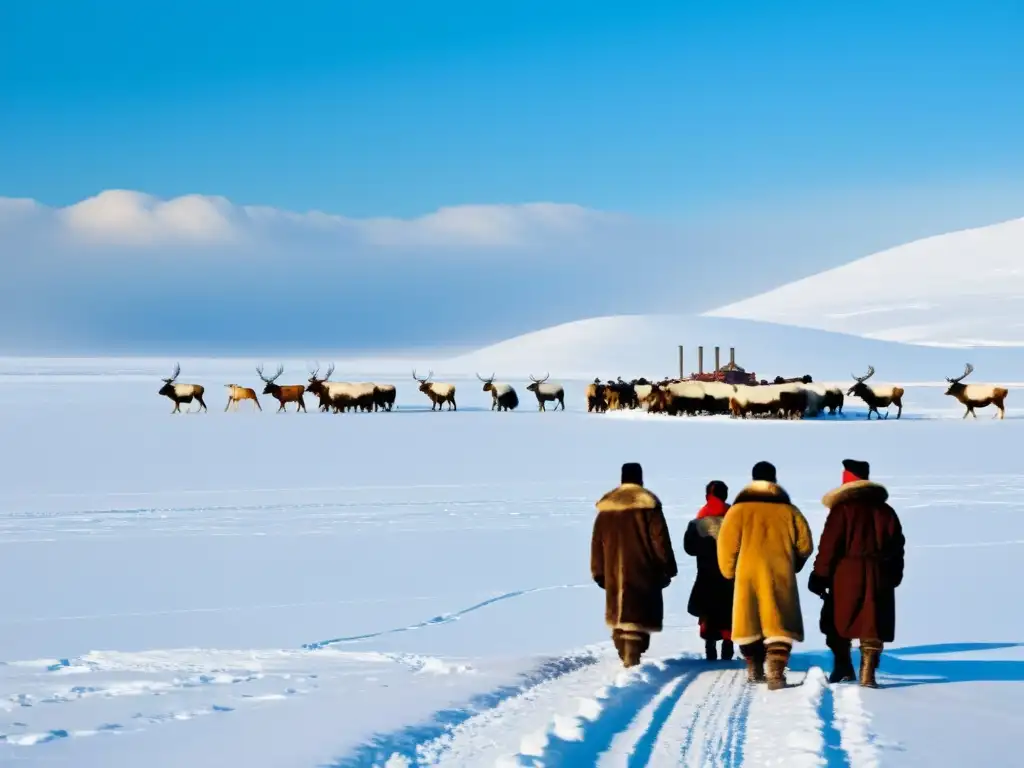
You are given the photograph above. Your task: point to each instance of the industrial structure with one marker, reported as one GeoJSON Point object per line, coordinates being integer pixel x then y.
{"type": "Point", "coordinates": [729, 373]}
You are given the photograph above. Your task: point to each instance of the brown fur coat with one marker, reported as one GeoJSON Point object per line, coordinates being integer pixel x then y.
{"type": "Point", "coordinates": [631, 558]}
{"type": "Point", "coordinates": [763, 544]}
{"type": "Point", "coordinates": [859, 563]}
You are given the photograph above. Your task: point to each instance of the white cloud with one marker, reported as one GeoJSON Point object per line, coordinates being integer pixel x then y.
{"type": "Point", "coordinates": [131, 272]}
{"type": "Point", "coordinates": [128, 218]}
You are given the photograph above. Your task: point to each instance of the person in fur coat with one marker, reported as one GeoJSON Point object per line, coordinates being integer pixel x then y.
{"type": "Point", "coordinates": [856, 572]}
{"type": "Point", "coordinates": [631, 559]}
{"type": "Point", "coordinates": [764, 542]}
{"type": "Point", "coordinates": [711, 596]}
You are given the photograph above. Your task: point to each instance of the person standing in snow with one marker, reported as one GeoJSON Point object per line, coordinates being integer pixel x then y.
{"type": "Point", "coordinates": [711, 596]}
{"type": "Point", "coordinates": [856, 572]}
{"type": "Point", "coordinates": [763, 543]}
{"type": "Point", "coordinates": [631, 559]}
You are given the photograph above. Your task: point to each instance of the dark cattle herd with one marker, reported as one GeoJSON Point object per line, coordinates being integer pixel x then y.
{"type": "Point", "coordinates": [784, 398]}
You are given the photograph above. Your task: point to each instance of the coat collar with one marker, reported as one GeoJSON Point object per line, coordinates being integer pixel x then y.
{"type": "Point", "coordinates": [709, 526]}
{"type": "Point", "coordinates": [627, 496]}
{"type": "Point", "coordinates": [764, 492]}
{"type": "Point", "coordinates": [860, 490]}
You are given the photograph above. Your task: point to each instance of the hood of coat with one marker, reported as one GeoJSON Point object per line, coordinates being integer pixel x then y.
{"type": "Point", "coordinates": [859, 490]}
{"type": "Point", "coordinates": [709, 526]}
{"type": "Point", "coordinates": [764, 492]}
{"type": "Point", "coordinates": [627, 496]}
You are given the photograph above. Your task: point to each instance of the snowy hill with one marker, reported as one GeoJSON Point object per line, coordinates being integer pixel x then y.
{"type": "Point", "coordinates": [963, 288]}
{"type": "Point", "coordinates": [635, 345]}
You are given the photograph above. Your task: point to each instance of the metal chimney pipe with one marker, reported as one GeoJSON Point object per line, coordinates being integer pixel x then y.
{"type": "Point", "coordinates": [700, 359]}
{"type": "Point", "coordinates": [718, 361]}
{"type": "Point", "coordinates": [732, 357]}
{"type": "Point", "coordinates": [682, 372]}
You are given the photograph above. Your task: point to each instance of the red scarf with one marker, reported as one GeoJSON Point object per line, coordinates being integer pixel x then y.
{"type": "Point", "coordinates": [849, 477]}
{"type": "Point", "coordinates": [714, 508]}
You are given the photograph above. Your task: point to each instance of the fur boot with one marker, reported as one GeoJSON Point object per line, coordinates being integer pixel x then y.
{"type": "Point", "coordinates": [842, 661]}
{"type": "Point", "coordinates": [619, 645]}
{"type": "Point", "coordinates": [711, 650]}
{"type": "Point", "coordinates": [633, 646]}
{"type": "Point", "coordinates": [754, 654]}
{"type": "Point", "coordinates": [777, 658]}
{"type": "Point", "coordinates": [870, 654]}
{"type": "Point", "coordinates": [727, 650]}
{"type": "Point", "coordinates": [630, 653]}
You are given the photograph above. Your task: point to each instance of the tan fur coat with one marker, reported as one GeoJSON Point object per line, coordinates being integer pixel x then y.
{"type": "Point", "coordinates": [763, 544]}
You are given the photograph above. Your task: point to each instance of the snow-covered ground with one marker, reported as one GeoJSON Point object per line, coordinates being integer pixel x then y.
{"type": "Point", "coordinates": [262, 590]}
{"type": "Point", "coordinates": [964, 288]}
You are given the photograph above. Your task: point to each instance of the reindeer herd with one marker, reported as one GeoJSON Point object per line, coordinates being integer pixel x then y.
{"type": "Point", "coordinates": [795, 398]}
{"type": "Point", "coordinates": [343, 396]}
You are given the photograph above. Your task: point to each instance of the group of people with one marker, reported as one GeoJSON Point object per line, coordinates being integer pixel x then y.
{"type": "Point", "coordinates": [748, 555]}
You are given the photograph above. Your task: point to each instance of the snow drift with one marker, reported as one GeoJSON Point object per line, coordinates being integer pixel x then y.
{"type": "Point", "coordinates": [647, 345]}
{"type": "Point", "coordinates": [964, 288]}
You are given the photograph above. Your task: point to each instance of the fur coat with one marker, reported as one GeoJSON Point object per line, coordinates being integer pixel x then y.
{"type": "Point", "coordinates": [631, 558]}
{"type": "Point", "coordinates": [763, 544]}
{"type": "Point", "coordinates": [859, 563]}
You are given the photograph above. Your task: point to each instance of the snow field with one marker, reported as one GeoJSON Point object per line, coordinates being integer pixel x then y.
{"type": "Point", "coordinates": [349, 590]}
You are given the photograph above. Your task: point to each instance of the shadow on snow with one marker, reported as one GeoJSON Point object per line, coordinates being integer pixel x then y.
{"type": "Point", "coordinates": [900, 662]}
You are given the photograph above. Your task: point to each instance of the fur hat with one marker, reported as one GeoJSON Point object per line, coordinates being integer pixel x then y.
{"type": "Point", "coordinates": [718, 489]}
{"type": "Point", "coordinates": [859, 468]}
{"type": "Point", "coordinates": [764, 471]}
{"type": "Point", "coordinates": [633, 473]}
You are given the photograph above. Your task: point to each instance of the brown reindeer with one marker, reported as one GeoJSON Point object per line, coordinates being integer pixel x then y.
{"type": "Point", "coordinates": [876, 397]}
{"type": "Point", "coordinates": [289, 393]}
{"type": "Point", "coordinates": [977, 395]}
{"type": "Point", "coordinates": [182, 393]}
{"type": "Point", "coordinates": [439, 394]}
{"type": "Point", "coordinates": [320, 387]}
{"type": "Point", "coordinates": [237, 394]}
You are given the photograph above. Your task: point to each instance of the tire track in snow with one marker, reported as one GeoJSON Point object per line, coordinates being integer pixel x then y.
{"type": "Point", "coordinates": [854, 725]}
{"type": "Point", "coordinates": [607, 720]}
{"type": "Point", "coordinates": [701, 723]}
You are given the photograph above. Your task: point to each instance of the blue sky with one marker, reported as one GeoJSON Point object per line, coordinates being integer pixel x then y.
{"type": "Point", "coordinates": [397, 108]}
{"type": "Point", "coordinates": [867, 123]}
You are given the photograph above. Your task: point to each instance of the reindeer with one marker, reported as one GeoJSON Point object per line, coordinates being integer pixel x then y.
{"type": "Point", "coordinates": [341, 395]}
{"type": "Point", "coordinates": [384, 397]}
{"type": "Point", "coordinates": [321, 387]}
{"type": "Point", "coordinates": [236, 394]}
{"type": "Point", "coordinates": [596, 401]}
{"type": "Point", "coordinates": [876, 397]}
{"type": "Point", "coordinates": [439, 394]}
{"type": "Point", "coordinates": [503, 396]}
{"type": "Point", "coordinates": [643, 388]}
{"type": "Point", "coordinates": [977, 395]}
{"type": "Point", "coordinates": [546, 392]}
{"type": "Point", "coordinates": [289, 393]}
{"type": "Point", "coordinates": [182, 393]}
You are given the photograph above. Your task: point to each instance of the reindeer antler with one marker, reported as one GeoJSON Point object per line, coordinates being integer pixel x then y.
{"type": "Point", "coordinates": [280, 370]}
{"type": "Point", "coordinates": [968, 370]}
{"type": "Point", "coordinates": [330, 372]}
{"type": "Point", "coordinates": [174, 376]}
{"type": "Point", "coordinates": [540, 381]}
{"type": "Point", "coordinates": [866, 376]}
{"type": "Point", "coordinates": [485, 381]}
